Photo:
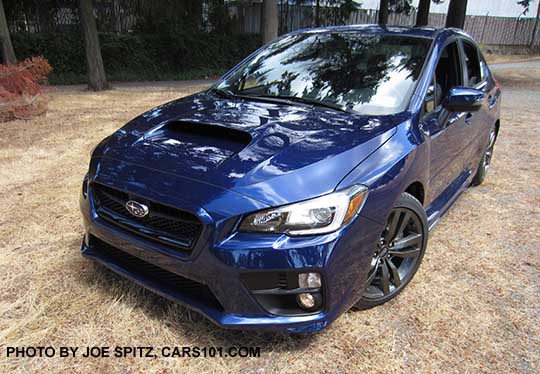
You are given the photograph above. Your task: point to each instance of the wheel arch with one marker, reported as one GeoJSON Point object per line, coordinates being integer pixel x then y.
{"type": "Point", "coordinates": [417, 190]}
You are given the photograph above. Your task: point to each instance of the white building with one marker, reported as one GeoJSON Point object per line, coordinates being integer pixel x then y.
{"type": "Point", "coordinates": [495, 8]}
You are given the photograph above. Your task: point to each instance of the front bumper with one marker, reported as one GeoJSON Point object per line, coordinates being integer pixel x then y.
{"type": "Point", "coordinates": [219, 263]}
{"type": "Point", "coordinates": [214, 312]}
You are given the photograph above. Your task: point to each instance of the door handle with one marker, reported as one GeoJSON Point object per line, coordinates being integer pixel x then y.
{"type": "Point", "coordinates": [468, 118]}
{"type": "Point", "coordinates": [492, 100]}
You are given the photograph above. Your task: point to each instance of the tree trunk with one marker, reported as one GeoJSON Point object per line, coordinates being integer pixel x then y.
{"type": "Point", "coordinates": [318, 13]}
{"type": "Point", "coordinates": [456, 14]}
{"type": "Point", "coordinates": [383, 12]}
{"type": "Point", "coordinates": [8, 53]}
{"type": "Point", "coordinates": [270, 20]}
{"type": "Point", "coordinates": [43, 17]}
{"type": "Point", "coordinates": [535, 26]}
{"type": "Point", "coordinates": [96, 72]}
{"type": "Point", "coordinates": [422, 17]}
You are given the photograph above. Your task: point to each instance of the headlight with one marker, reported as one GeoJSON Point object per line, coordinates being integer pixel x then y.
{"type": "Point", "coordinates": [316, 216]}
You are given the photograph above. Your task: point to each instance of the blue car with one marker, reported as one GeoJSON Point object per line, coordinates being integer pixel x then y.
{"type": "Point", "coordinates": [303, 183]}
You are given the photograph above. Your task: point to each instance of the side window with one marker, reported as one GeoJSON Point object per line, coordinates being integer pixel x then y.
{"type": "Point", "coordinates": [473, 64]}
{"type": "Point", "coordinates": [448, 74]}
{"type": "Point", "coordinates": [484, 70]}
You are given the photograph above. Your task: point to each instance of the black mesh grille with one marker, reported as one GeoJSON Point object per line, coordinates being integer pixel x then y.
{"type": "Point", "coordinates": [163, 223]}
{"type": "Point", "coordinates": [161, 277]}
{"type": "Point", "coordinates": [270, 280]}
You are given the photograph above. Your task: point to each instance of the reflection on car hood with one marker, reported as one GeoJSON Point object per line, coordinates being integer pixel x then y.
{"type": "Point", "coordinates": [275, 153]}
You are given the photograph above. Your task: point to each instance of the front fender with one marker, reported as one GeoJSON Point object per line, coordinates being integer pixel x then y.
{"type": "Point", "coordinates": [388, 172]}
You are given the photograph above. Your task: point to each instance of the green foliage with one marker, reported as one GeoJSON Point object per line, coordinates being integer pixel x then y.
{"type": "Point", "coordinates": [323, 12]}
{"type": "Point", "coordinates": [139, 56]}
{"type": "Point", "coordinates": [65, 52]}
{"type": "Point", "coordinates": [400, 6]}
{"type": "Point", "coordinates": [346, 7]}
{"type": "Point", "coordinates": [526, 4]}
{"type": "Point", "coordinates": [406, 6]}
{"type": "Point", "coordinates": [219, 19]}
{"type": "Point", "coordinates": [336, 12]}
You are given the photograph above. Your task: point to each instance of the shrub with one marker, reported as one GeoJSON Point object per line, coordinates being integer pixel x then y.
{"type": "Point", "coordinates": [21, 93]}
{"type": "Point", "coordinates": [139, 56]}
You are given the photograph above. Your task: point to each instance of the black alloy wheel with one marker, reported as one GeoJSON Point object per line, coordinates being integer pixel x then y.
{"type": "Point", "coordinates": [398, 254]}
{"type": "Point", "coordinates": [486, 159]}
{"type": "Point", "coordinates": [489, 150]}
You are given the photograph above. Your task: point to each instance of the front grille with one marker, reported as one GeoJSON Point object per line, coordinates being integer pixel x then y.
{"type": "Point", "coordinates": [173, 283]}
{"type": "Point", "coordinates": [163, 223]}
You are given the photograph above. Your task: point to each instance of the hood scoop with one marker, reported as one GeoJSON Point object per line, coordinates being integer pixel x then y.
{"type": "Point", "coordinates": [201, 146]}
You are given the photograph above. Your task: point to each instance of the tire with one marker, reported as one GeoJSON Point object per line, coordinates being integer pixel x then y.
{"type": "Point", "coordinates": [399, 253]}
{"type": "Point", "coordinates": [485, 161]}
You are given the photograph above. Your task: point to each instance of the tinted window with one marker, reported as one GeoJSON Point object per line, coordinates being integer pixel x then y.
{"type": "Point", "coordinates": [448, 72]}
{"type": "Point", "coordinates": [370, 74]}
{"type": "Point", "coordinates": [484, 70]}
{"type": "Point", "coordinates": [432, 100]}
{"type": "Point", "coordinates": [472, 63]}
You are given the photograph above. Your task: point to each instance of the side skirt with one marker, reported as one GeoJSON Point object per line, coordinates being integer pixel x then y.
{"type": "Point", "coordinates": [447, 198]}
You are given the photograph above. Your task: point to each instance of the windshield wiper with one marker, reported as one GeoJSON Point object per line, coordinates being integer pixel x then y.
{"type": "Point", "coordinates": [304, 100]}
{"type": "Point", "coordinates": [223, 92]}
{"type": "Point", "coordinates": [282, 99]}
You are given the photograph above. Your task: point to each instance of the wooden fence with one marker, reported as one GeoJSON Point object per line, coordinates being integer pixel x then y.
{"type": "Point", "coordinates": [127, 15]}
{"type": "Point", "coordinates": [484, 29]}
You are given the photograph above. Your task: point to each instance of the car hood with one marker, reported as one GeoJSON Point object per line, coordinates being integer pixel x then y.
{"type": "Point", "coordinates": [275, 153]}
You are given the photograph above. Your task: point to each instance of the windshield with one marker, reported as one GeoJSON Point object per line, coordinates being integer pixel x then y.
{"type": "Point", "coordinates": [368, 74]}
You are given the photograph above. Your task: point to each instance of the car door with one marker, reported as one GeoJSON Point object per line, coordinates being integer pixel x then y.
{"type": "Point", "coordinates": [446, 130]}
{"type": "Point", "coordinates": [476, 76]}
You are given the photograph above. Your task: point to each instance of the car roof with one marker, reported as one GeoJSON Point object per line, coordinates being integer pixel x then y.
{"type": "Point", "coordinates": [422, 32]}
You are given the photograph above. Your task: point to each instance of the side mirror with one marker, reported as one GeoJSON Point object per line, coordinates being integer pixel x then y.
{"type": "Point", "coordinates": [463, 99]}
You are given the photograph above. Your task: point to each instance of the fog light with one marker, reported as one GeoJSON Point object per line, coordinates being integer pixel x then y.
{"type": "Point", "coordinates": [309, 280]}
{"type": "Point", "coordinates": [306, 301]}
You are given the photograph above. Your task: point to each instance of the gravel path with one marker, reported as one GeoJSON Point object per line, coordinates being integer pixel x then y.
{"type": "Point", "coordinates": [533, 64]}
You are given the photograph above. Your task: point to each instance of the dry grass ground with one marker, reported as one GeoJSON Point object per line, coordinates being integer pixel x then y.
{"type": "Point", "coordinates": [473, 307]}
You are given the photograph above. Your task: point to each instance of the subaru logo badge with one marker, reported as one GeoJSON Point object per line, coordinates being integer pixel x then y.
{"type": "Point", "coordinates": [136, 209]}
